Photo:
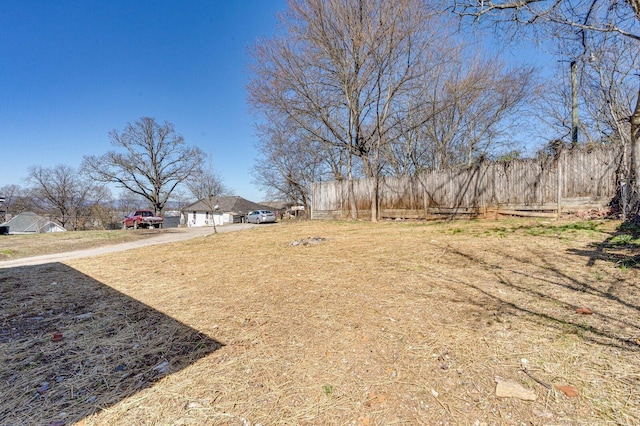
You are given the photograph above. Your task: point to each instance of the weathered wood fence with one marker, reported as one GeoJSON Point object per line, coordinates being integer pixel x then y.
{"type": "Point", "coordinates": [573, 180]}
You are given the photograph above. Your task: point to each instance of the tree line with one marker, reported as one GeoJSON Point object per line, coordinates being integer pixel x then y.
{"type": "Point", "coordinates": [367, 88]}
{"type": "Point", "coordinates": [150, 164]}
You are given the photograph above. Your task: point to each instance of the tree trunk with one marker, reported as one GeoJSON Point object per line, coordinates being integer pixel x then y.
{"type": "Point", "coordinates": [372, 177]}
{"type": "Point", "coordinates": [634, 165]}
{"type": "Point", "coordinates": [374, 188]}
{"type": "Point", "coordinates": [374, 198]}
{"type": "Point", "coordinates": [353, 208]}
{"type": "Point", "coordinates": [375, 175]}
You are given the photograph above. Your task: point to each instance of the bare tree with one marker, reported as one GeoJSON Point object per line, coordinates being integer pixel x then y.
{"type": "Point", "coordinates": [207, 186]}
{"type": "Point", "coordinates": [291, 161]}
{"type": "Point", "coordinates": [64, 193]}
{"type": "Point", "coordinates": [472, 105]}
{"type": "Point", "coordinates": [207, 183]}
{"type": "Point", "coordinates": [469, 107]}
{"type": "Point", "coordinates": [16, 200]}
{"type": "Point", "coordinates": [126, 201]}
{"type": "Point", "coordinates": [589, 24]}
{"type": "Point", "coordinates": [609, 77]}
{"type": "Point", "coordinates": [598, 16]}
{"type": "Point", "coordinates": [605, 81]}
{"type": "Point", "coordinates": [154, 162]}
{"type": "Point", "coordinates": [553, 108]}
{"type": "Point", "coordinates": [339, 71]}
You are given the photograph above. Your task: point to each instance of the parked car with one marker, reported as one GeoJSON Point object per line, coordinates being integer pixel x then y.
{"type": "Point", "coordinates": [261, 216]}
{"type": "Point", "coordinates": [142, 219]}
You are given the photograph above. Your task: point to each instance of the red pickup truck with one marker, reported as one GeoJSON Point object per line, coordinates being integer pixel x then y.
{"type": "Point", "coordinates": [142, 219]}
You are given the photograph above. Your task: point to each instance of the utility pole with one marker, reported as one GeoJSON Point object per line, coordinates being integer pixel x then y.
{"type": "Point", "coordinates": [574, 105]}
{"type": "Point", "coordinates": [3, 217]}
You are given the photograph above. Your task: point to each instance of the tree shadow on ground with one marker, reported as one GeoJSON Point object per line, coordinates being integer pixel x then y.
{"type": "Point", "coordinates": [621, 248]}
{"type": "Point", "coordinates": [552, 298]}
{"type": "Point", "coordinates": [72, 346]}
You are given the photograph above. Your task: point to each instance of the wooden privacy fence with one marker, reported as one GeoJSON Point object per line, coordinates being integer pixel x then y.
{"type": "Point", "coordinates": [573, 180]}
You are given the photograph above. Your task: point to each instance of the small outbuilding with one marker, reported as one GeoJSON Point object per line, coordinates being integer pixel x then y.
{"type": "Point", "coordinates": [30, 223]}
{"type": "Point", "coordinates": [219, 210]}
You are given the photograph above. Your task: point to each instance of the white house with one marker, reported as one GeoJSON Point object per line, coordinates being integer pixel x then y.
{"type": "Point", "coordinates": [230, 209]}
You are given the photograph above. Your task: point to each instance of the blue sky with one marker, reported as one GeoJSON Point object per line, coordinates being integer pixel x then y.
{"type": "Point", "coordinates": [70, 72]}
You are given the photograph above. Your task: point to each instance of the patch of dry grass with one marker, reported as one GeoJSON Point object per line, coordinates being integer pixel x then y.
{"type": "Point", "coordinates": [390, 323]}
{"type": "Point", "coordinates": [25, 245]}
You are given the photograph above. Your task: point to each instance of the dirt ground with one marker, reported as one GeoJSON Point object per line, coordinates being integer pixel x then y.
{"type": "Point", "coordinates": [332, 323]}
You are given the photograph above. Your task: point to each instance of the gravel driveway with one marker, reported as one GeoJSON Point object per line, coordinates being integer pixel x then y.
{"type": "Point", "coordinates": [169, 236]}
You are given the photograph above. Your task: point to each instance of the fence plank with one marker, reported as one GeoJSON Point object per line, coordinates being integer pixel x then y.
{"type": "Point", "coordinates": [529, 186]}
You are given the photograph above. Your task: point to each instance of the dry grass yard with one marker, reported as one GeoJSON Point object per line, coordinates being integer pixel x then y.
{"type": "Point", "coordinates": [375, 324]}
{"type": "Point", "coordinates": [16, 246]}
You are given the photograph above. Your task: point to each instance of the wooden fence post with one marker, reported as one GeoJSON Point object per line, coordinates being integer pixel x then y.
{"type": "Point", "coordinates": [560, 181]}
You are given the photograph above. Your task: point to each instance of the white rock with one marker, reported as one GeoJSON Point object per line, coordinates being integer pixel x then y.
{"type": "Point", "coordinates": [509, 389]}
{"type": "Point", "coordinates": [543, 414]}
{"type": "Point", "coordinates": [162, 368]}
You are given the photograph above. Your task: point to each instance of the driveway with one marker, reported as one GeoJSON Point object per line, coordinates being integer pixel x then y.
{"type": "Point", "coordinates": [169, 235]}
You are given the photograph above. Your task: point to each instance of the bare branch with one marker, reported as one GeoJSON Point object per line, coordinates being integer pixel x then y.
{"type": "Point", "coordinates": [154, 162]}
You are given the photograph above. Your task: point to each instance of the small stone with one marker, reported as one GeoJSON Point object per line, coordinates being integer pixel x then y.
{"type": "Point", "coordinates": [308, 241]}
{"type": "Point", "coordinates": [543, 414]}
{"type": "Point", "coordinates": [508, 389]}
{"type": "Point", "coordinates": [570, 391]}
{"type": "Point", "coordinates": [162, 368]}
{"type": "Point", "coordinates": [44, 387]}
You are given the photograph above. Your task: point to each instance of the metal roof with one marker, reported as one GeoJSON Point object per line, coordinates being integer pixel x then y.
{"type": "Point", "coordinates": [29, 222]}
